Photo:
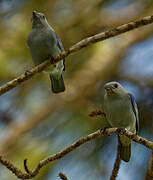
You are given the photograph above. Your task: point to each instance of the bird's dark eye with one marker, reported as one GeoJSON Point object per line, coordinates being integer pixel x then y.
{"type": "Point", "coordinates": [43, 16]}
{"type": "Point", "coordinates": [115, 85]}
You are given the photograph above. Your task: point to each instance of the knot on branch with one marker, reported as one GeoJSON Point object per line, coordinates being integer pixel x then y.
{"type": "Point", "coordinates": [62, 176]}
{"type": "Point", "coordinates": [27, 74]}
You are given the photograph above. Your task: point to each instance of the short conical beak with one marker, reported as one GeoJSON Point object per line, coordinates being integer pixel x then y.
{"type": "Point", "coordinates": [106, 87]}
{"type": "Point", "coordinates": [34, 13]}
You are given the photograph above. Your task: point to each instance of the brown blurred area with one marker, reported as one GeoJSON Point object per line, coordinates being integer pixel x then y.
{"type": "Point", "coordinates": [35, 123]}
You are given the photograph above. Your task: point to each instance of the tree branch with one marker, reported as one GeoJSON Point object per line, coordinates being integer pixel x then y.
{"type": "Point", "coordinates": [97, 113]}
{"type": "Point", "coordinates": [117, 162]}
{"type": "Point", "coordinates": [26, 167]}
{"type": "Point", "coordinates": [107, 131]}
{"type": "Point", "coordinates": [84, 43]}
{"type": "Point", "coordinates": [149, 175]}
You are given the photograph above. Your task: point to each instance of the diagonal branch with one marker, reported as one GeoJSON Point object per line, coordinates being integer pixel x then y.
{"type": "Point", "coordinates": [105, 132]}
{"type": "Point", "coordinates": [84, 43]}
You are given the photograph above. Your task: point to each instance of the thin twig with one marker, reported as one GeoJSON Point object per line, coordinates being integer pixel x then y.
{"type": "Point", "coordinates": [117, 162]}
{"type": "Point", "coordinates": [84, 43]}
{"type": "Point", "coordinates": [97, 113]}
{"type": "Point", "coordinates": [62, 176]}
{"type": "Point", "coordinates": [26, 167]}
{"type": "Point", "coordinates": [104, 132]}
{"type": "Point", "coordinates": [149, 175]}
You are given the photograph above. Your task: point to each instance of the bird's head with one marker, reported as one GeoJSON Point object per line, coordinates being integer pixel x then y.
{"type": "Point", "coordinates": [114, 89]}
{"type": "Point", "coordinates": [38, 19]}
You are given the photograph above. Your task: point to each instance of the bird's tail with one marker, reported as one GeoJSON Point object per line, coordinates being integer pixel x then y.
{"type": "Point", "coordinates": [125, 153]}
{"type": "Point", "coordinates": [57, 84]}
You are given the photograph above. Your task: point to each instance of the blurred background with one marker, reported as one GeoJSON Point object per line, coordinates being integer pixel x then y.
{"type": "Point", "coordinates": [35, 123]}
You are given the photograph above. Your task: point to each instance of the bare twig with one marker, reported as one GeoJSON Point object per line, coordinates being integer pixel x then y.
{"type": "Point", "coordinates": [104, 132]}
{"type": "Point", "coordinates": [62, 176]}
{"type": "Point", "coordinates": [84, 43]}
{"type": "Point", "coordinates": [12, 168]}
{"type": "Point", "coordinates": [117, 162]}
{"type": "Point", "coordinates": [97, 113]}
{"type": "Point", "coordinates": [26, 167]}
{"type": "Point", "coordinates": [149, 175]}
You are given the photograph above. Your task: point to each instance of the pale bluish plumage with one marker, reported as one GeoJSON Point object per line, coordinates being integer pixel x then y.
{"type": "Point", "coordinates": [121, 111]}
{"type": "Point", "coordinates": [44, 43]}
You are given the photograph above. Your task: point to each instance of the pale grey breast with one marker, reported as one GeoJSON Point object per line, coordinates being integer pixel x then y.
{"type": "Point", "coordinates": [119, 112]}
{"type": "Point", "coordinates": [41, 45]}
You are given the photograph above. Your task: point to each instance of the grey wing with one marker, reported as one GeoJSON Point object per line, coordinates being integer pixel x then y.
{"type": "Point", "coordinates": [60, 46]}
{"type": "Point", "coordinates": [135, 110]}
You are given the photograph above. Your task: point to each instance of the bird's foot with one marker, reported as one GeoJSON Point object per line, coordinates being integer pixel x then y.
{"type": "Point", "coordinates": [120, 130]}
{"type": "Point", "coordinates": [103, 130]}
{"type": "Point", "coordinates": [52, 60]}
{"type": "Point", "coordinates": [27, 73]}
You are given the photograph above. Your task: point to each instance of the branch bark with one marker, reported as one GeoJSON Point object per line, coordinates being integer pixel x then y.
{"type": "Point", "coordinates": [105, 132]}
{"type": "Point", "coordinates": [62, 176]}
{"type": "Point", "coordinates": [149, 175]}
{"type": "Point", "coordinates": [117, 162]}
{"type": "Point", "coordinates": [84, 43]}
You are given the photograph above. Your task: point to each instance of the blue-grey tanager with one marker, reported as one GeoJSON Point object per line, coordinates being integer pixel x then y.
{"type": "Point", "coordinates": [121, 111]}
{"type": "Point", "coordinates": [44, 43]}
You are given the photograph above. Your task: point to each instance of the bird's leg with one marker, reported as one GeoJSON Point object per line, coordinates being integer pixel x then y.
{"type": "Point", "coordinates": [27, 72]}
{"type": "Point", "coordinates": [121, 130]}
{"type": "Point", "coordinates": [104, 129]}
{"type": "Point", "coordinates": [52, 60]}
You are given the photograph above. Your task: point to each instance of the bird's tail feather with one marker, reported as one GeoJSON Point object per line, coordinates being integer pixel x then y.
{"type": "Point", "coordinates": [125, 152]}
{"type": "Point", "coordinates": [57, 84]}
